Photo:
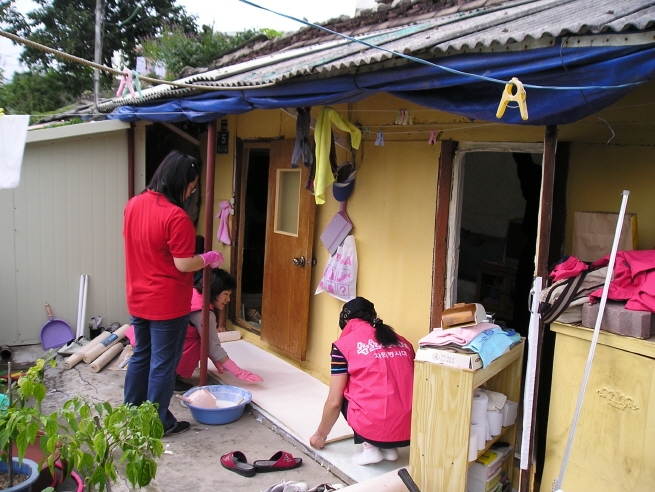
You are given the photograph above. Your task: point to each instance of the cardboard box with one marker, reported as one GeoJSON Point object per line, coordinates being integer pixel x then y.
{"type": "Point", "coordinates": [448, 357]}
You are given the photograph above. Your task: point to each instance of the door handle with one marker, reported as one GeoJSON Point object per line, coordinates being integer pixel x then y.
{"type": "Point", "coordinates": [299, 261]}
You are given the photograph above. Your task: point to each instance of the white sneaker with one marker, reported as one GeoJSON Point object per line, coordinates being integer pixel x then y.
{"type": "Point", "coordinates": [390, 454]}
{"type": "Point", "coordinates": [295, 487]}
{"type": "Point", "coordinates": [369, 455]}
{"type": "Point", "coordinates": [73, 346]}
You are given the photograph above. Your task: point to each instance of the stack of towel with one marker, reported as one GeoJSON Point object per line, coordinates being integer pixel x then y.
{"type": "Point", "coordinates": [488, 340]}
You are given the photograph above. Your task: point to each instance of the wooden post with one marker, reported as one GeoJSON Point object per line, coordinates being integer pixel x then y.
{"type": "Point", "coordinates": [444, 191]}
{"type": "Point", "coordinates": [209, 231]}
{"type": "Point", "coordinates": [526, 482]}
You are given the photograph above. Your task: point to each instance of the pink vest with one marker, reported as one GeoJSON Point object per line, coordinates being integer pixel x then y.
{"type": "Point", "coordinates": [380, 383]}
{"type": "Point", "coordinates": [191, 352]}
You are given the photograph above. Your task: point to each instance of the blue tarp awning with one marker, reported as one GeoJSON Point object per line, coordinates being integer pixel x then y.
{"type": "Point", "coordinates": [436, 88]}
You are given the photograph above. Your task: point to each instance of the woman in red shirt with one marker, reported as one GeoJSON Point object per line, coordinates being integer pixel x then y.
{"type": "Point", "coordinates": [159, 243]}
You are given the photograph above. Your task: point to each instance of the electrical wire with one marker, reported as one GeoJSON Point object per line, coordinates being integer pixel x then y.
{"type": "Point", "coordinates": [104, 68]}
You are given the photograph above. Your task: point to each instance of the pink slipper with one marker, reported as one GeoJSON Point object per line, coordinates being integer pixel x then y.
{"type": "Point", "coordinates": [236, 461]}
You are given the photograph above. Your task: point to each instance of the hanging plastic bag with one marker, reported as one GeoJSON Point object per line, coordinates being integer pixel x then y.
{"type": "Point", "coordinates": [340, 274]}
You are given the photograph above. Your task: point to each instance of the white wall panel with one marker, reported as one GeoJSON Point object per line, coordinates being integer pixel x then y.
{"type": "Point", "coordinates": [67, 218]}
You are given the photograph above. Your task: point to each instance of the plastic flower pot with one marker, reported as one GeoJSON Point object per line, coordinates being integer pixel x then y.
{"type": "Point", "coordinates": [28, 467]}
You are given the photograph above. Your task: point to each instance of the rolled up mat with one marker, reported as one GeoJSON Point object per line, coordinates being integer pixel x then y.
{"type": "Point", "coordinates": [106, 357]}
{"type": "Point", "coordinates": [72, 360]}
{"type": "Point", "coordinates": [97, 350]}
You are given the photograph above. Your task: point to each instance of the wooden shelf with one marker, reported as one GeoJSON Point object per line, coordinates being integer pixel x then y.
{"type": "Point", "coordinates": [441, 417]}
{"type": "Point", "coordinates": [494, 440]}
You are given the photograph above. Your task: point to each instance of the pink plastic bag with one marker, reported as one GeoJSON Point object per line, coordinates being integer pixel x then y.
{"type": "Point", "coordinates": [340, 274]}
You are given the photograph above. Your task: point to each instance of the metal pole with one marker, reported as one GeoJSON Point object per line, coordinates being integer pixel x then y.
{"type": "Point", "coordinates": [97, 57]}
{"type": "Point", "coordinates": [594, 340]}
{"type": "Point", "coordinates": [209, 227]}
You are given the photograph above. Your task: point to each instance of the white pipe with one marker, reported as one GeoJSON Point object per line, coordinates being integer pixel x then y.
{"type": "Point", "coordinates": [86, 287]}
{"type": "Point", "coordinates": [601, 310]}
{"type": "Point", "coordinates": [531, 369]}
{"type": "Point", "coordinates": [79, 307]}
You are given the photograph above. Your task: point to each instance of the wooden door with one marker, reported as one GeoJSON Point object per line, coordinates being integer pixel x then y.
{"type": "Point", "coordinates": [289, 254]}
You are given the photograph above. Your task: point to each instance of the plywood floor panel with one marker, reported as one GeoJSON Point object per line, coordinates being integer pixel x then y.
{"type": "Point", "coordinates": [293, 400]}
{"type": "Point", "coordinates": [294, 397]}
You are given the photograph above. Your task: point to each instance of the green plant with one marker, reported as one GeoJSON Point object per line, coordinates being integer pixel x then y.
{"type": "Point", "coordinates": [22, 420]}
{"type": "Point", "coordinates": [90, 436]}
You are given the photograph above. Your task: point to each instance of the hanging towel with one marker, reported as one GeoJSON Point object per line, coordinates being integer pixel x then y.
{"type": "Point", "coordinates": [301, 149]}
{"type": "Point", "coordinates": [13, 133]}
{"type": "Point", "coordinates": [322, 133]}
{"type": "Point", "coordinates": [223, 232]}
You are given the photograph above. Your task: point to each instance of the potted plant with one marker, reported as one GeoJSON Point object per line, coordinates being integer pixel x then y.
{"type": "Point", "coordinates": [20, 424]}
{"type": "Point", "coordinates": [92, 438]}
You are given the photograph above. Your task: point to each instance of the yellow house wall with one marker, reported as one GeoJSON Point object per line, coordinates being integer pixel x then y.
{"type": "Point", "coordinates": [394, 201]}
{"type": "Point", "coordinates": [597, 176]}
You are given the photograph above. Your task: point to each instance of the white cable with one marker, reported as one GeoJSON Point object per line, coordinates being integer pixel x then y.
{"type": "Point", "coordinates": [601, 309]}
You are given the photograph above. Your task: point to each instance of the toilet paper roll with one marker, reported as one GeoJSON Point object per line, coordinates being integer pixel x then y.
{"type": "Point", "coordinates": [473, 448]}
{"type": "Point", "coordinates": [480, 432]}
{"type": "Point", "coordinates": [495, 419]}
{"type": "Point", "coordinates": [479, 410]}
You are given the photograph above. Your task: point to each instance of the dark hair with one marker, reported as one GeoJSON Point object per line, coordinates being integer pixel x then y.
{"type": "Point", "coordinates": [174, 175]}
{"type": "Point", "coordinates": [364, 309]}
{"type": "Point", "coordinates": [220, 281]}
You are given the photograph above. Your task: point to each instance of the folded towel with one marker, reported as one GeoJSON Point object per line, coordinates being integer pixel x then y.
{"type": "Point", "coordinates": [459, 336]}
{"type": "Point", "coordinates": [490, 344]}
{"type": "Point", "coordinates": [496, 401]}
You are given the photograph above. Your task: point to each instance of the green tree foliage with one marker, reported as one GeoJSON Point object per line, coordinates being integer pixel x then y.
{"type": "Point", "coordinates": [69, 26]}
{"type": "Point", "coordinates": [176, 48]}
{"type": "Point", "coordinates": [38, 92]}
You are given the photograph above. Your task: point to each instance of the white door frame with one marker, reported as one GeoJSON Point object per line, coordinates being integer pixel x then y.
{"type": "Point", "coordinates": [455, 206]}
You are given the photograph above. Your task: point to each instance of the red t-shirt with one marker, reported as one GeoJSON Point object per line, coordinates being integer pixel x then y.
{"type": "Point", "coordinates": [155, 232]}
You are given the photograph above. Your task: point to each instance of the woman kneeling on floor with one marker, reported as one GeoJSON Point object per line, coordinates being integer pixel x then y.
{"type": "Point", "coordinates": [371, 384]}
{"type": "Point", "coordinates": [221, 286]}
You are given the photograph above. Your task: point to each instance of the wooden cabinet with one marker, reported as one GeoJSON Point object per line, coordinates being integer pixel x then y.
{"type": "Point", "coordinates": [612, 447]}
{"type": "Point", "coordinates": [495, 289]}
{"type": "Point", "coordinates": [441, 417]}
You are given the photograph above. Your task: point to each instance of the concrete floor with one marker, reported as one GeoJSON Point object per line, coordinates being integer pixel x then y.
{"type": "Point", "coordinates": [192, 459]}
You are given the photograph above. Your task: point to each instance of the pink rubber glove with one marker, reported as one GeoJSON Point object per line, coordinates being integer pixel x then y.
{"type": "Point", "coordinates": [241, 374]}
{"type": "Point", "coordinates": [213, 259]}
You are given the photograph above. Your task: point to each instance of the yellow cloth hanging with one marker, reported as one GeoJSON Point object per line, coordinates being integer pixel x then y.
{"type": "Point", "coordinates": [322, 134]}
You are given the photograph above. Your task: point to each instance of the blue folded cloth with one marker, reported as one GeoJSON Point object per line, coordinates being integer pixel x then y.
{"type": "Point", "coordinates": [490, 344]}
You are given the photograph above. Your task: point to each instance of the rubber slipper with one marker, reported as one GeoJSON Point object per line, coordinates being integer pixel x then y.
{"type": "Point", "coordinates": [279, 461]}
{"type": "Point", "coordinates": [236, 461]}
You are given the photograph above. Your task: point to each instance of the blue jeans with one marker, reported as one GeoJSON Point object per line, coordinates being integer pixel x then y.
{"type": "Point", "coordinates": [151, 371]}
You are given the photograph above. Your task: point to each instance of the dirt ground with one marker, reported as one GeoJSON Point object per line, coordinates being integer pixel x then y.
{"type": "Point", "coordinates": [191, 460]}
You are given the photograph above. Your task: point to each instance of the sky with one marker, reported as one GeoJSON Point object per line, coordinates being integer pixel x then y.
{"type": "Point", "coordinates": [225, 16]}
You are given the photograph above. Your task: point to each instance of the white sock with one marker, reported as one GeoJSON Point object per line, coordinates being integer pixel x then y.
{"type": "Point", "coordinates": [370, 454]}
{"type": "Point", "coordinates": [390, 454]}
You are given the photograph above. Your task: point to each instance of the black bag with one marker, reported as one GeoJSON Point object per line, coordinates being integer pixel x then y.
{"type": "Point", "coordinates": [563, 300]}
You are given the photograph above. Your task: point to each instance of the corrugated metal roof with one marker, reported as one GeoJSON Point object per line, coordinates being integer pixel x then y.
{"type": "Point", "coordinates": [453, 30]}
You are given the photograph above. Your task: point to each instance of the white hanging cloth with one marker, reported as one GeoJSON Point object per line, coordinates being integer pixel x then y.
{"type": "Point", "coordinates": [13, 133]}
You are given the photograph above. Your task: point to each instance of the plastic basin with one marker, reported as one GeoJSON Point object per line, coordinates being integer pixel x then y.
{"type": "Point", "coordinates": [226, 414]}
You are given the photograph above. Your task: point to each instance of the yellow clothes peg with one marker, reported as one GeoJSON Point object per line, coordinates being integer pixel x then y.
{"type": "Point", "coordinates": [518, 98]}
